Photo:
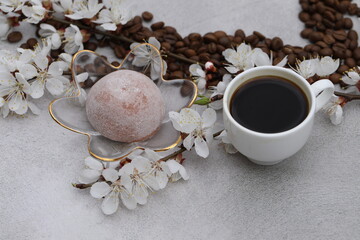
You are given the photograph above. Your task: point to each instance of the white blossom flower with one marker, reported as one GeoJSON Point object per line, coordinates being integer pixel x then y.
{"type": "Point", "coordinates": [229, 148]}
{"type": "Point", "coordinates": [9, 6]}
{"type": "Point", "coordinates": [85, 9]}
{"type": "Point", "coordinates": [4, 26]}
{"type": "Point", "coordinates": [334, 109]}
{"type": "Point", "coordinates": [146, 56]}
{"type": "Point", "coordinates": [4, 108]}
{"type": "Point", "coordinates": [27, 55]}
{"type": "Point", "coordinates": [157, 176]}
{"type": "Point", "coordinates": [198, 75]}
{"type": "Point", "coordinates": [352, 78]}
{"type": "Point", "coordinates": [176, 170]}
{"type": "Point", "coordinates": [95, 168]}
{"type": "Point", "coordinates": [111, 193]}
{"type": "Point", "coordinates": [262, 59]}
{"type": "Point", "coordinates": [34, 13]}
{"type": "Point", "coordinates": [15, 90]}
{"type": "Point", "coordinates": [218, 90]}
{"type": "Point", "coordinates": [64, 6]}
{"type": "Point", "coordinates": [8, 60]}
{"type": "Point", "coordinates": [48, 31]}
{"type": "Point", "coordinates": [117, 14]}
{"type": "Point", "coordinates": [241, 59]}
{"type": "Point", "coordinates": [49, 76]}
{"type": "Point", "coordinates": [326, 66]}
{"type": "Point", "coordinates": [306, 68]}
{"type": "Point", "coordinates": [73, 39]}
{"type": "Point", "coordinates": [132, 178]}
{"type": "Point", "coordinates": [198, 128]}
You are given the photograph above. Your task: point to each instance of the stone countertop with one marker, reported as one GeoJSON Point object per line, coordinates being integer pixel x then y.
{"type": "Point", "coordinates": [313, 195]}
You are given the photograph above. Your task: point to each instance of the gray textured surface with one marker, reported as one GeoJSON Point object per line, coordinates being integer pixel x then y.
{"type": "Point", "coordinates": [313, 195]}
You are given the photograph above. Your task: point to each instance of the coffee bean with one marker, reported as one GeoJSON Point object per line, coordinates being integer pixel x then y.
{"type": "Point", "coordinates": [189, 52]}
{"type": "Point", "coordinates": [287, 50]}
{"type": "Point", "coordinates": [335, 78]}
{"type": "Point", "coordinates": [352, 9]}
{"type": "Point", "coordinates": [55, 53]}
{"type": "Point", "coordinates": [147, 16]}
{"type": "Point", "coordinates": [328, 23]}
{"type": "Point", "coordinates": [352, 35]}
{"type": "Point", "coordinates": [220, 48]}
{"type": "Point", "coordinates": [195, 37]}
{"type": "Point", "coordinates": [276, 44]}
{"type": "Point", "coordinates": [238, 40]}
{"type": "Point", "coordinates": [304, 16]}
{"type": "Point", "coordinates": [339, 25]}
{"type": "Point", "coordinates": [202, 49]}
{"type": "Point", "coordinates": [326, 52]}
{"type": "Point", "coordinates": [356, 53]}
{"type": "Point", "coordinates": [220, 34]}
{"type": "Point", "coordinates": [115, 63]}
{"type": "Point", "coordinates": [240, 33]}
{"type": "Point", "coordinates": [306, 32]}
{"type": "Point", "coordinates": [166, 46]}
{"type": "Point", "coordinates": [32, 42]}
{"type": "Point", "coordinates": [195, 45]}
{"type": "Point", "coordinates": [179, 44]}
{"type": "Point", "coordinates": [225, 41]}
{"type": "Point", "coordinates": [212, 47]}
{"type": "Point", "coordinates": [90, 46]}
{"type": "Point", "coordinates": [316, 36]}
{"type": "Point", "coordinates": [181, 50]}
{"type": "Point", "coordinates": [329, 16]}
{"type": "Point", "coordinates": [347, 22]}
{"type": "Point", "coordinates": [135, 28]}
{"type": "Point", "coordinates": [259, 35]}
{"type": "Point", "coordinates": [310, 23]}
{"type": "Point", "coordinates": [157, 25]}
{"type": "Point", "coordinates": [329, 40]}
{"type": "Point", "coordinates": [315, 49]}
{"type": "Point", "coordinates": [24, 46]}
{"type": "Point", "coordinates": [170, 38]}
{"type": "Point", "coordinates": [343, 68]}
{"type": "Point", "coordinates": [317, 17]}
{"type": "Point", "coordinates": [291, 59]}
{"type": "Point", "coordinates": [120, 51]}
{"type": "Point", "coordinates": [173, 67]}
{"type": "Point", "coordinates": [348, 53]}
{"type": "Point", "coordinates": [340, 35]}
{"type": "Point", "coordinates": [170, 30]}
{"type": "Point", "coordinates": [353, 44]}
{"type": "Point", "coordinates": [210, 37]}
{"type": "Point", "coordinates": [177, 75]}
{"type": "Point", "coordinates": [321, 44]}
{"type": "Point", "coordinates": [14, 37]}
{"type": "Point", "coordinates": [350, 62]}
{"type": "Point", "coordinates": [204, 56]}
{"type": "Point", "coordinates": [339, 52]}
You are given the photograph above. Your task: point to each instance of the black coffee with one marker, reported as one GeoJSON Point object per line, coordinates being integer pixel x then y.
{"type": "Point", "coordinates": [269, 104]}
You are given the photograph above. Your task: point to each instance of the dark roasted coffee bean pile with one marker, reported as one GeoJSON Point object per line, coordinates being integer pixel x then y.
{"type": "Point", "coordinates": [327, 27]}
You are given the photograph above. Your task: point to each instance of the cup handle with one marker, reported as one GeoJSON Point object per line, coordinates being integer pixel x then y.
{"type": "Point", "coordinates": [323, 90]}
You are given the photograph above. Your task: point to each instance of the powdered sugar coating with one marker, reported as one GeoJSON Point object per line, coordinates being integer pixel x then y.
{"type": "Point", "coordinates": [125, 106]}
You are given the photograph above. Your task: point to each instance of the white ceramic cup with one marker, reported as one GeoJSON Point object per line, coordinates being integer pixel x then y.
{"type": "Point", "coordinates": [271, 148]}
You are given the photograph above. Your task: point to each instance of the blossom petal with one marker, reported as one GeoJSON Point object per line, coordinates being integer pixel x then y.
{"type": "Point", "coordinates": [109, 26]}
{"type": "Point", "coordinates": [140, 194]}
{"type": "Point", "coordinates": [152, 155]}
{"type": "Point", "coordinates": [41, 61]}
{"type": "Point", "coordinates": [93, 163]}
{"type": "Point", "coordinates": [100, 189]}
{"type": "Point", "coordinates": [155, 42]}
{"type": "Point", "coordinates": [189, 120]}
{"type": "Point", "coordinates": [142, 164]}
{"type": "Point", "coordinates": [183, 173]}
{"type": "Point", "coordinates": [110, 174]}
{"type": "Point", "coordinates": [34, 109]}
{"type": "Point", "coordinates": [2, 102]}
{"type": "Point", "coordinates": [54, 86]}
{"type": "Point", "coordinates": [162, 179]}
{"type": "Point", "coordinates": [208, 118]}
{"type": "Point", "coordinates": [89, 176]}
{"type": "Point", "coordinates": [111, 203]}
{"type": "Point", "coordinates": [37, 89]}
{"type": "Point", "coordinates": [7, 79]}
{"type": "Point", "coordinates": [128, 200]}
{"type": "Point", "coordinates": [201, 147]}
{"type": "Point", "coordinates": [188, 142]}
{"type": "Point", "coordinates": [151, 181]}
{"type": "Point", "coordinates": [173, 165]}
{"type": "Point", "coordinates": [337, 117]}
{"type": "Point", "coordinates": [15, 102]}
{"type": "Point", "coordinates": [175, 119]}
{"type": "Point", "coordinates": [28, 70]}
{"type": "Point", "coordinates": [23, 107]}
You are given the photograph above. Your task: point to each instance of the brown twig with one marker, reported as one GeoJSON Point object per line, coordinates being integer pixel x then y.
{"type": "Point", "coordinates": [123, 39]}
{"type": "Point", "coordinates": [348, 97]}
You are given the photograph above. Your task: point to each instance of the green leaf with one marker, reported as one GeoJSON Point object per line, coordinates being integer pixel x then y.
{"type": "Point", "coordinates": [202, 101]}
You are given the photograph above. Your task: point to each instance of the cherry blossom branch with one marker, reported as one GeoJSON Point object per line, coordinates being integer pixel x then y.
{"type": "Point", "coordinates": [123, 39]}
{"type": "Point", "coordinates": [348, 97]}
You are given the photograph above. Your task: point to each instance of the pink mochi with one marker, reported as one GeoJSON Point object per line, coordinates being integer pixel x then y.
{"type": "Point", "coordinates": [125, 106]}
